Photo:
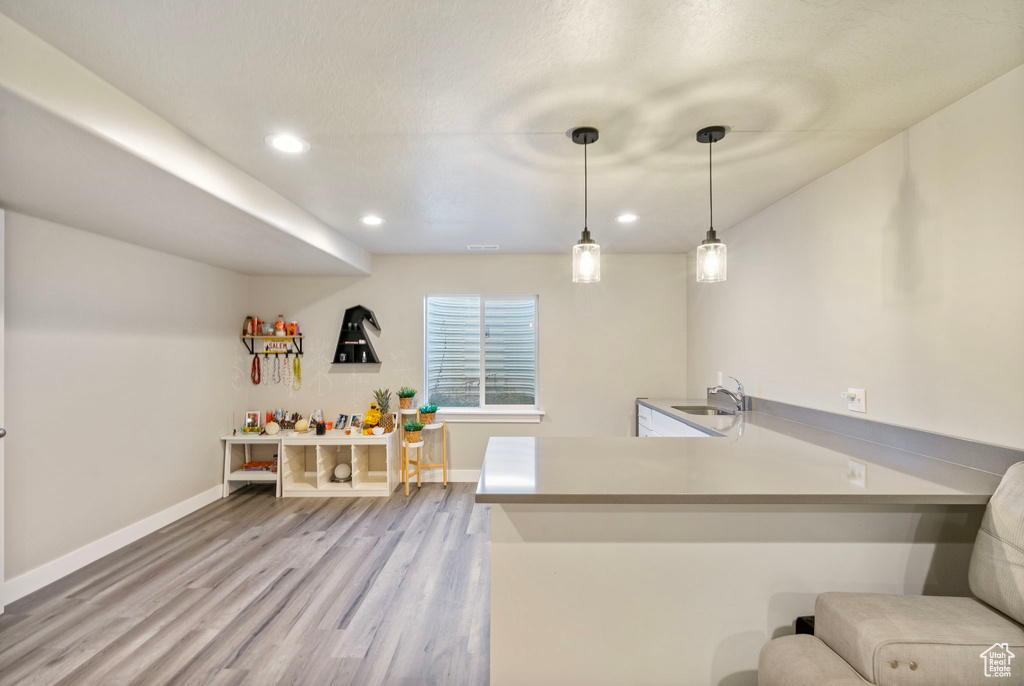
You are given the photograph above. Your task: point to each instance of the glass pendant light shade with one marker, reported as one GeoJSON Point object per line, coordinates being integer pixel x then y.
{"type": "Point", "coordinates": [711, 262]}
{"type": "Point", "coordinates": [586, 262]}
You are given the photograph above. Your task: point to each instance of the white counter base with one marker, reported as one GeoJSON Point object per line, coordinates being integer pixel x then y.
{"type": "Point", "coordinates": [688, 594]}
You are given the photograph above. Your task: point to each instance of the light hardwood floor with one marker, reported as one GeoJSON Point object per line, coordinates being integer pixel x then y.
{"type": "Point", "coordinates": [259, 590]}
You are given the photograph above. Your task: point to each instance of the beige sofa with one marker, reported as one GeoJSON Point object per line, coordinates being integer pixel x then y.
{"type": "Point", "coordinates": [887, 640]}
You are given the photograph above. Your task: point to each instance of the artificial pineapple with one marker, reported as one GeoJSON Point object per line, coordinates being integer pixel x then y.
{"type": "Point", "coordinates": [387, 420]}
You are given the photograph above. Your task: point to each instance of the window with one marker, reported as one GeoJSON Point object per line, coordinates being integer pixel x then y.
{"type": "Point", "coordinates": [481, 351]}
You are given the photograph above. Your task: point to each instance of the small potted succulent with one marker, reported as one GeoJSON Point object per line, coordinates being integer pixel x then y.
{"type": "Point", "coordinates": [427, 413]}
{"type": "Point", "coordinates": [405, 396]}
{"type": "Point", "coordinates": [412, 431]}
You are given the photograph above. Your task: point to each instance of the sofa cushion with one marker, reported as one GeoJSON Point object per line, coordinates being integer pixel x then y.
{"type": "Point", "coordinates": [997, 564]}
{"type": "Point", "coordinates": [803, 660]}
{"type": "Point", "coordinates": [932, 641]}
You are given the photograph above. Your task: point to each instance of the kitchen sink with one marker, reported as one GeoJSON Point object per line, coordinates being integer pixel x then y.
{"type": "Point", "coordinates": [701, 409]}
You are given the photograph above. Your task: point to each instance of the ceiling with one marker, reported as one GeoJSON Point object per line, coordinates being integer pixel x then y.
{"type": "Point", "coordinates": [448, 118]}
{"type": "Point", "coordinates": [49, 168]}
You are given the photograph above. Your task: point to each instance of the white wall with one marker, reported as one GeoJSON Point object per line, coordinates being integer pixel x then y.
{"type": "Point", "coordinates": [899, 273]}
{"type": "Point", "coordinates": [601, 345]}
{"type": "Point", "coordinates": [119, 382]}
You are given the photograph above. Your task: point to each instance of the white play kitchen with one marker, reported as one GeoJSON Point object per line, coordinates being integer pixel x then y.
{"type": "Point", "coordinates": [355, 455]}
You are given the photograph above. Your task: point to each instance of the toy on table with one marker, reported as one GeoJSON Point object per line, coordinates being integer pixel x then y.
{"type": "Point", "coordinates": [289, 419]}
{"type": "Point", "coordinates": [371, 419]}
{"type": "Point", "coordinates": [260, 466]}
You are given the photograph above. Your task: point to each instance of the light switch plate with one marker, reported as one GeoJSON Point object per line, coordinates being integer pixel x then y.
{"type": "Point", "coordinates": [856, 400]}
{"type": "Point", "coordinates": [857, 473]}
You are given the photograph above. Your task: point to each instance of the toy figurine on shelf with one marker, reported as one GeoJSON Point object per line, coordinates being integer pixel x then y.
{"type": "Point", "coordinates": [260, 466]}
{"type": "Point", "coordinates": [371, 419]}
{"type": "Point", "coordinates": [289, 421]}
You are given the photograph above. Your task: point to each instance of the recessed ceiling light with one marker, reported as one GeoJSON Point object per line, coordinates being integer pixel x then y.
{"type": "Point", "coordinates": [286, 142]}
{"type": "Point", "coordinates": [626, 218]}
{"type": "Point", "coordinates": [372, 220]}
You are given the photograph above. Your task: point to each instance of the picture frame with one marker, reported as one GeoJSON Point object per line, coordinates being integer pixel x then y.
{"type": "Point", "coordinates": [253, 418]}
{"type": "Point", "coordinates": [341, 422]}
{"type": "Point", "coordinates": [357, 421]}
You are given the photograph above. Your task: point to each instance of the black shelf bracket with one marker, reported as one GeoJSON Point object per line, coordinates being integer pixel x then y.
{"type": "Point", "coordinates": [249, 342]}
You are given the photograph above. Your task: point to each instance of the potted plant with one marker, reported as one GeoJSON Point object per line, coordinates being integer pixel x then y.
{"type": "Point", "coordinates": [383, 398]}
{"type": "Point", "coordinates": [427, 413]}
{"type": "Point", "coordinates": [405, 396]}
{"type": "Point", "coordinates": [412, 431]}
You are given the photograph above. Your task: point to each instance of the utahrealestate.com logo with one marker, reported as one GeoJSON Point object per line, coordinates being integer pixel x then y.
{"type": "Point", "coordinates": [997, 660]}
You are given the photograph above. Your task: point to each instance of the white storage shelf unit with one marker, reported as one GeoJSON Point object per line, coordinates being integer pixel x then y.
{"type": "Point", "coordinates": [307, 465]}
{"type": "Point", "coordinates": [244, 448]}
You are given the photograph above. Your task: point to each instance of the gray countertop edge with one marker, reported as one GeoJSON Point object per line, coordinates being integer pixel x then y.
{"type": "Point", "coordinates": [730, 499]}
{"type": "Point", "coordinates": [951, 492]}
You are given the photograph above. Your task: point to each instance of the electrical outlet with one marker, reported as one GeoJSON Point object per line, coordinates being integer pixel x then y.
{"type": "Point", "coordinates": [856, 399]}
{"type": "Point", "coordinates": [857, 473]}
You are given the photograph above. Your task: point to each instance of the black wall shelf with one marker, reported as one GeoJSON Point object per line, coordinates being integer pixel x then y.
{"type": "Point", "coordinates": [353, 342]}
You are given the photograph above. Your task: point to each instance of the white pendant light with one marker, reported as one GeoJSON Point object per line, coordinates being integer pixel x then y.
{"type": "Point", "coordinates": [711, 253]}
{"type": "Point", "coordinates": [586, 254]}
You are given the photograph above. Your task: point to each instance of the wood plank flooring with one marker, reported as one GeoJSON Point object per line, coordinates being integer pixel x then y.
{"type": "Point", "coordinates": [259, 590]}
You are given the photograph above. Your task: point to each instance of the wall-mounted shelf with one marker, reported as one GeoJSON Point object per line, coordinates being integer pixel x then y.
{"type": "Point", "coordinates": [294, 348]}
{"type": "Point", "coordinates": [353, 342]}
{"type": "Point", "coordinates": [352, 353]}
{"type": "Point", "coordinates": [354, 367]}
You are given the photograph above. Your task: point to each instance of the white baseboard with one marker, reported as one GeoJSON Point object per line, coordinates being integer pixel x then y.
{"type": "Point", "coordinates": [454, 475]}
{"type": "Point", "coordinates": [33, 580]}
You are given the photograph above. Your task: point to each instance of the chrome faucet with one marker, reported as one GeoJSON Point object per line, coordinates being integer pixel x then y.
{"type": "Point", "coordinates": [737, 397]}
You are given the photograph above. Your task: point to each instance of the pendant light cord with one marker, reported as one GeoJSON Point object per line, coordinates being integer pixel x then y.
{"type": "Point", "coordinates": [586, 189]}
{"type": "Point", "coordinates": [711, 187]}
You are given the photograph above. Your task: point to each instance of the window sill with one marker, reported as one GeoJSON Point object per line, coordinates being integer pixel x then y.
{"type": "Point", "coordinates": [478, 415]}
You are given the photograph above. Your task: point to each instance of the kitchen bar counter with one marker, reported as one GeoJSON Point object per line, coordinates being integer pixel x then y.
{"type": "Point", "coordinates": [674, 560]}
{"type": "Point", "coordinates": [752, 458]}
